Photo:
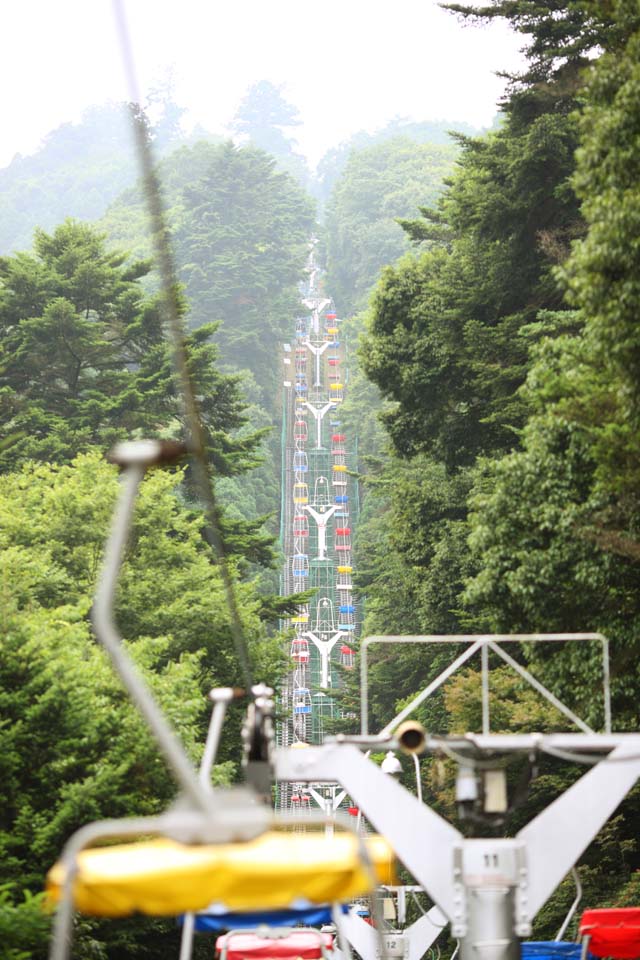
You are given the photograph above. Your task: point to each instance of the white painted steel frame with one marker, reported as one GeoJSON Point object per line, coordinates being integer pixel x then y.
{"type": "Point", "coordinates": [481, 642]}
{"type": "Point", "coordinates": [486, 887]}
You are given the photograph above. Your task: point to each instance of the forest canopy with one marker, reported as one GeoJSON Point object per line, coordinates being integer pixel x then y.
{"type": "Point", "coordinates": [493, 281]}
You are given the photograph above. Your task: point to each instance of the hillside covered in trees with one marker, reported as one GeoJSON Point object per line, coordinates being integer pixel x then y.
{"type": "Point", "coordinates": [84, 363]}
{"type": "Point", "coordinates": [492, 281]}
{"type": "Point", "coordinates": [501, 495]}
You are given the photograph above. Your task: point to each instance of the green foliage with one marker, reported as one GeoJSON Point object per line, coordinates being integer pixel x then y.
{"type": "Point", "coordinates": [24, 925]}
{"type": "Point", "coordinates": [563, 551]}
{"type": "Point", "coordinates": [332, 165]}
{"type": "Point", "coordinates": [62, 707]}
{"type": "Point", "coordinates": [602, 278]}
{"type": "Point", "coordinates": [445, 338]}
{"type": "Point", "coordinates": [265, 118]}
{"type": "Point", "coordinates": [379, 184]}
{"type": "Point", "coordinates": [559, 32]}
{"type": "Point", "coordinates": [80, 168]}
{"type": "Point", "coordinates": [84, 360]}
{"type": "Point", "coordinates": [239, 235]}
{"type": "Point", "coordinates": [241, 242]}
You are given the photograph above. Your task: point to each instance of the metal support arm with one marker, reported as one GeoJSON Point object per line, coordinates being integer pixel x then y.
{"type": "Point", "coordinates": [422, 840]}
{"type": "Point", "coordinates": [544, 850]}
{"type": "Point", "coordinates": [558, 836]}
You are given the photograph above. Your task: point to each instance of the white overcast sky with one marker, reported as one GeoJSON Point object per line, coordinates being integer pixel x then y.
{"type": "Point", "coordinates": [346, 64]}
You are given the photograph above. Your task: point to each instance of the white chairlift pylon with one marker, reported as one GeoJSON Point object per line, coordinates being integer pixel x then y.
{"type": "Point", "coordinates": [324, 648]}
{"type": "Point", "coordinates": [411, 944]}
{"type": "Point", "coordinates": [489, 888]}
{"type": "Point", "coordinates": [316, 305]}
{"type": "Point", "coordinates": [321, 519]}
{"type": "Point", "coordinates": [317, 350]}
{"type": "Point", "coordinates": [319, 413]}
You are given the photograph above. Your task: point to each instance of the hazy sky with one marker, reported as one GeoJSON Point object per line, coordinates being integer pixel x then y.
{"type": "Point", "coordinates": [346, 64]}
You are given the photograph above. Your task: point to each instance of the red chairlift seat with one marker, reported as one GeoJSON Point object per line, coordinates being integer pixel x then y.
{"type": "Point", "coordinates": [343, 531]}
{"type": "Point", "coordinates": [338, 437]}
{"type": "Point", "coordinates": [300, 943]}
{"type": "Point", "coordinates": [347, 656]}
{"type": "Point", "coordinates": [612, 932]}
{"type": "Point", "coordinates": [300, 652]}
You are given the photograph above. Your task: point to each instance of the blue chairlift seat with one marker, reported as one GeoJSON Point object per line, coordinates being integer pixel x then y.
{"type": "Point", "coordinates": [550, 950]}
{"type": "Point", "coordinates": [213, 921]}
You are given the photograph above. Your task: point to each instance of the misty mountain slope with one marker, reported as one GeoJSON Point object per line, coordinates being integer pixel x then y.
{"type": "Point", "coordinates": [79, 170]}
{"type": "Point", "coordinates": [379, 184]}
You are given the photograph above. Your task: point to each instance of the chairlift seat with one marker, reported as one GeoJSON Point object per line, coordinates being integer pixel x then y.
{"type": "Point", "coordinates": [550, 950]}
{"type": "Point", "coordinates": [612, 932]}
{"type": "Point", "coordinates": [213, 922]}
{"type": "Point", "coordinates": [277, 870]}
{"type": "Point", "coordinates": [300, 943]}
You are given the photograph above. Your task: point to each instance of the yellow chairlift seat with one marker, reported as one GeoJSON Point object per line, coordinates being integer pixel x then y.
{"type": "Point", "coordinates": [277, 870]}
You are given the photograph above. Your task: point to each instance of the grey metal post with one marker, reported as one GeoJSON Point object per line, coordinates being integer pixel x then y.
{"type": "Point", "coordinates": [221, 697]}
{"type": "Point", "coordinates": [490, 919]}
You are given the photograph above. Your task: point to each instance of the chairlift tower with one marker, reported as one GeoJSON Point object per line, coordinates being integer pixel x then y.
{"type": "Point", "coordinates": [317, 520]}
{"type": "Point", "coordinates": [488, 889]}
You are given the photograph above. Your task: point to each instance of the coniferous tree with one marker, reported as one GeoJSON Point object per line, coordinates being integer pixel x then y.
{"type": "Point", "coordinates": [266, 119]}
{"type": "Point", "coordinates": [84, 359]}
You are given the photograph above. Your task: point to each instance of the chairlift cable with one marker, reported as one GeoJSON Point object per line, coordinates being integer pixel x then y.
{"type": "Point", "coordinates": [196, 433]}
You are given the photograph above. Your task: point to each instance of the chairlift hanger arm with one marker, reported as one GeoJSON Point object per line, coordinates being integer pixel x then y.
{"type": "Point", "coordinates": [135, 458]}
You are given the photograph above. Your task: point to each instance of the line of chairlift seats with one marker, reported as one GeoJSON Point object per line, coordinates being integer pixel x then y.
{"type": "Point", "coordinates": [613, 933]}
{"type": "Point", "coordinates": [610, 932]}
{"type": "Point", "coordinates": [300, 651]}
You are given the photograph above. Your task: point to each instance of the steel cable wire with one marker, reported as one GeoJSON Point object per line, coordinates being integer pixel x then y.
{"type": "Point", "coordinates": [195, 430]}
